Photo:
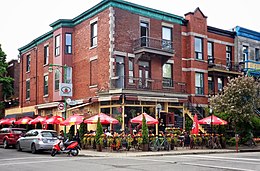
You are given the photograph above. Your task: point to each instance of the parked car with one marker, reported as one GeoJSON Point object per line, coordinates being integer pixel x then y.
{"type": "Point", "coordinates": [37, 140]}
{"type": "Point", "coordinates": [9, 136]}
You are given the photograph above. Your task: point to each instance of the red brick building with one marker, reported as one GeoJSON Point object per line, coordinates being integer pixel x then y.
{"type": "Point", "coordinates": [126, 59]}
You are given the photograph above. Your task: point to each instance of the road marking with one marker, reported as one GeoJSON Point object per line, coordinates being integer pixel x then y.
{"type": "Point", "coordinates": [25, 158]}
{"type": "Point", "coordinates": [217, 167]}
{"type": "Point", "coordinates": [218, 157]}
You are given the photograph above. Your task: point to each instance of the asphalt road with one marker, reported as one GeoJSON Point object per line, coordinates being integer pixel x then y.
{"type": "Point", "coordinates": [11, 160]}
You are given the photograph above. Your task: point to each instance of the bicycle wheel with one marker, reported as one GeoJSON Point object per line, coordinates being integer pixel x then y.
{"type": "Point", "coordinates": [166, 146]}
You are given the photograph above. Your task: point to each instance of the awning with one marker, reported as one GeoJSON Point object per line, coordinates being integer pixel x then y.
{"type": "Point", "coordinates": [157, 99]}
{"type": "Point", "coordinates": [47, 105]}
{"type": "Point", "coordinates": [18, 115]}
{"type": "Point", "coordinates": [75, 107]}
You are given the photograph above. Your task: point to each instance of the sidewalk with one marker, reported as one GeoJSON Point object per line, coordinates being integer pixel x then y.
{"type": "Point", "coordinates": [179, 151]}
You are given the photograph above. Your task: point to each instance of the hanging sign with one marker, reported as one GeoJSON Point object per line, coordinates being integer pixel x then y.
{"type": "Point", "coordinates": [65, 89]}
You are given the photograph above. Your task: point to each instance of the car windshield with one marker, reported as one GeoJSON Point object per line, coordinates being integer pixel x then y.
{"type": "Point", "coordinates": [18, 131]}
{"type": "Point", "coordinates": [48, 134]}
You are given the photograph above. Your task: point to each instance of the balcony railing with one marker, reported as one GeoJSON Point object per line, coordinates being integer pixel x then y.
{"type": "Point", "coordinates": [148, 84]}
{"type": "Point", "coordinates": [152, 43]}
{"type": "Point", "coordinates": [223, 64]}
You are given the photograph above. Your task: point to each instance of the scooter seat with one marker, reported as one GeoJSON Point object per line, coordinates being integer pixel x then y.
{"type": "Point", "coordinates": [66, 144]}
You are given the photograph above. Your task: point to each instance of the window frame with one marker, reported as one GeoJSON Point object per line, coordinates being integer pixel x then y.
{"type": "Point", "coordinates": [167, 81]}
{"type": "Point", "coordinates": [200, 51]}
{"type": "Point", "coordinates": [245, 50]}
{"type": "Point", "coordinates": [45, 85]}
{"type": "Point", "coordinates": [222, 83]}
{"type": "Point", "coordinates": [228, 52]}
{"type": "Point", "coordinates": [257, 55]}
{"type": "Point", "coordinates": [57, 45]}
{"type": "Point", "coordinates": [199, 89]}
{"type": "Point", "coordinates": [68, 46]}
{"type": "Point", "coordinates": [167, 44]}
{"type": "Point", "coordinates": [93, 37]}
{"type": "Point", "coordinates": [131, 71]}
{"type": "Point", "coordinates": [57, 80]}
{"type": "Point", "coordinates": [210, 57]}
{"type": "Point", "coordinates": [27, 88]}
{"type": "Point", "coordinates": [28, 63]}
{"type": "Point", "coordinates": [46, 54]}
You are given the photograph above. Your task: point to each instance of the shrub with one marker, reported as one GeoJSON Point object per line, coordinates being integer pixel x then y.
{"type": "Point", "coordinates": [144, 132]}
{"type": "Point", "coordinates": [99, 132]}
{"type": "Point", "coordinates": [231, 141]}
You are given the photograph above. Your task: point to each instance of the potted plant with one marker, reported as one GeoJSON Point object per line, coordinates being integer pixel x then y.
{"type": "Point", "coordinates": [145, 137]}
{"type": "Point", "coordinates": [99, 132]}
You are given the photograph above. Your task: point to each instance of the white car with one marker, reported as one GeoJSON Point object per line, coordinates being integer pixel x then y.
{"type": "Point", "coordinates": [37, 140]}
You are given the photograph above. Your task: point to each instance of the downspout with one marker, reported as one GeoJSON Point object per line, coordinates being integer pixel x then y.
{"type": "Point", "coordinates": [36, 73]}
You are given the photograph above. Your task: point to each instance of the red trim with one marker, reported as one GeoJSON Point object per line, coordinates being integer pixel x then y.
{"type": "Point", "coordinates": [132, 98]}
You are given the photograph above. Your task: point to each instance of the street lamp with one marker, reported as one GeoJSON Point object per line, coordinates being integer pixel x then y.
{"type": "Point", "coordinates": [65, 68]}
{"type": "Point", "coordinates": [158, 110]}
{"type": "Point", "coordinates": [210, 112]}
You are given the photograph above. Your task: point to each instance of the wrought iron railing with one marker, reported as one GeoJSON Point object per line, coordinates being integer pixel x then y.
{"type": "Point", "coordinates": [157, 44]}
{"type": "Point", "coordinates": [137, 83]}
{"type": "Point", "coordinates": [223, 64]}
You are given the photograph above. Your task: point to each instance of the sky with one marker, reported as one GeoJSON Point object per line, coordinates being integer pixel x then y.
{"type": "Point", "coordinates": [24, 20]}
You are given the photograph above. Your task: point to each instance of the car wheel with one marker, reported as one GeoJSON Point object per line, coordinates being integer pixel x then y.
{"type": "Point", "coordinates": [33, 148]}
{"type": "Point", "coordinates": [6, 144]}
{"type": "Point", "coordinates": [18, 147]}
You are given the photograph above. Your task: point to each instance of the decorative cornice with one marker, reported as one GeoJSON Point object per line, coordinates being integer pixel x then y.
{"type": "Point", "coordinates": [240, 31]}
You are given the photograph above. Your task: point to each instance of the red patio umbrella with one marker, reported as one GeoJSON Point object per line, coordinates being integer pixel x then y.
{"type": "Point", "coordinates": [8, 121]}
{"type": "Point", "coordinates": [195, 126]}
{"type": "Point", "coordinates": [54, 120]}
{"type": "Point", "coordinates": [149, 119]}
{"type": "Point", "coordinates": [23, 120]}
{"type": "Point", "coordinates": [38, 119]}
{"type": "Point", "coordinates": [73, 120]}
{"type": "Point", "coordinates": [104, 119]}
{"type": "Point", "coordinates": [212, 120]}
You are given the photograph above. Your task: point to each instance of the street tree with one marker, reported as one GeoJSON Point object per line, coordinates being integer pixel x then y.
{"type": "Point", "coordinates": [5, 81]}
{"type": "Point", "coordinates": [238, 103]}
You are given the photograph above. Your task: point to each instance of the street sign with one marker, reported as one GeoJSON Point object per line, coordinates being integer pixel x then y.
{"type": "Point", "coordinates": [65, 89]}
{"type": "Point", "coordinates": [61, 106]}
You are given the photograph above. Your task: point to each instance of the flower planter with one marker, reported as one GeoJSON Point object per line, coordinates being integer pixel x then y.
{"type": "Point", "coordinates": [99, 147]}
{"type": "Point", "coordinates": [145, 147]}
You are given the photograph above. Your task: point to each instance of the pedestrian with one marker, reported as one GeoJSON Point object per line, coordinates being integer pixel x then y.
{"type": "Point", "coordinates": [77, 137]}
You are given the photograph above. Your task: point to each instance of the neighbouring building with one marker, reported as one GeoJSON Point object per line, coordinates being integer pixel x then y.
{"type": "Point", "coordinates": [124, 59]}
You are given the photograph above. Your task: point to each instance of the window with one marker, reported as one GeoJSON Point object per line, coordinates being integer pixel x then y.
{"type": "Point", "coordinates": [220, 84]}
{"type": "Point", "coordinates": [166, 38]}
{"type": "Point", "coordinates": [93, 34]}
{"type": "Point", "coordinates": [211, 85]}
{"type": "Point", "coordinates": [198, 48]}
{"type": "Point", "coordinates": [256, 54]}
{"type": "Point", "coordinates": [46, 54]}
{"type": "Point", "coordinates": [167, 75]}
{"type": "Point", "coordinates": [57, 79]}
{"type": "Point", "coordinates": [131, 70]}
{"type": "Point", "coordinates": [57, 45]}
{"type": "Point", "coordinates": [27, 89]}
{"type": "Point", "coordinates": [199, 83]}
{"type": "Point", "coordinates": [120, 71]}
{"type": "Point", "coordinates": [144, 33]}
{"type": "Point", "coordinates": [28, 63]}
{"type": "Point", "coordinates": [68, 43]}
{"type": "Point", "coordinates": [45, 92]}
{"type": "Point", "coordinates": [210, 53]}
{"type": "Point", "coordinates": [245, 53]}
{"type": "Point", "coordinates": [228, 56]}
{"type": "Point", "coordinates": [93, 72]}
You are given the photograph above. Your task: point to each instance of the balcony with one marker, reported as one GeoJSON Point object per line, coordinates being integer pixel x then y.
{"type": "Point", "coordinates": [147, 84]}
{"type": "Point", "coordinates": [153, 46]}
{"type": "Point", "coordinates": [222, 65]}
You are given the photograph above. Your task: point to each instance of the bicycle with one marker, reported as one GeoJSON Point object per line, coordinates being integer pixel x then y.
{"type": "Point", "coordinates": [156, 145]}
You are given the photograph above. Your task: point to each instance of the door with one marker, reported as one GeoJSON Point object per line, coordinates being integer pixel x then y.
{"type": "Point", "coordinates": [120, 72]}
{"type": "Point", "coordinates": [144, 74]}
{"type": "Point", "coordinates": [144, 33]}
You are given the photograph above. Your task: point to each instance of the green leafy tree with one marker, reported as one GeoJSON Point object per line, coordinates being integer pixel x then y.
{"type": "Point", "coordinates": [99, 132]}
{"type": "Point", "coordinates": [237, 103]}
{"type": "Point", "coordinates": [144, 131]}
{"type": "Point", "coordinates": [5, 81]}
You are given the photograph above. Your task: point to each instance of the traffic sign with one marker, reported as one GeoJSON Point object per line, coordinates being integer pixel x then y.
{"type": "Point", "coordinates": [61, 106]}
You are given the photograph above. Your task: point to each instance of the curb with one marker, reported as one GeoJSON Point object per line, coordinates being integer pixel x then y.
{"type": "Point", "coordinates": [156, 154]}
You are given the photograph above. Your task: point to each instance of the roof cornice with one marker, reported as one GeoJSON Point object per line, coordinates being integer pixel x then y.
{"type": "Point", "coordinates": [134, 8]}
{"type": "Point", "coordinates": [244, 32]}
